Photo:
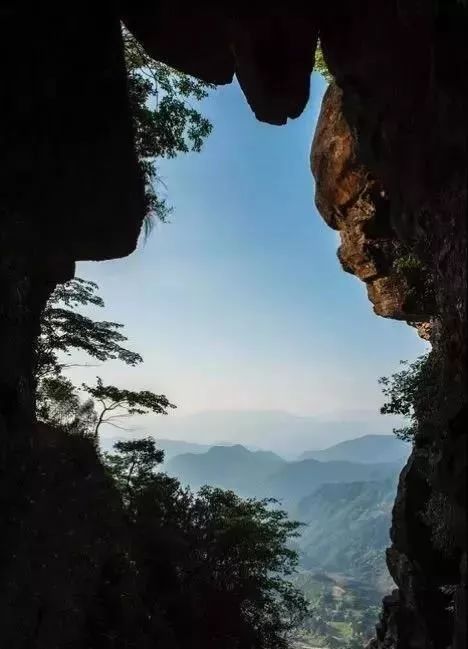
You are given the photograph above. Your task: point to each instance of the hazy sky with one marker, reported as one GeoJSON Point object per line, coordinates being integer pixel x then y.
{"type": "Point", "coordinates": [240, 302]}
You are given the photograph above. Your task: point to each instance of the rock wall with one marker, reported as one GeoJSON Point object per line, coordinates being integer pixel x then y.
{"type": "Point", "coordinates": [391, 170]}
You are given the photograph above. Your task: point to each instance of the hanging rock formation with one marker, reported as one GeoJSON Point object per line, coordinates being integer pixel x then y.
{"type": "Point", "coordinates": [389, 158]}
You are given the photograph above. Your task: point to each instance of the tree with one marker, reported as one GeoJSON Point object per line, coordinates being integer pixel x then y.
{"type": "Point", "coordinates": [65, 331]}
{"type": "Point", "coordinates": [117, 403]}
{"type": "Point", "coordinates": [133, 466]}
{"type": "Point", "coordinates": [217, 564]}
{"type": "Point", "coordinates": [246, 562]}
{"type": "Point", "coordinates": [59, 404]}
{"type": "Point", "coordinates": [411, 394]}
{"type": "Point", "coordinates": [165, 122]}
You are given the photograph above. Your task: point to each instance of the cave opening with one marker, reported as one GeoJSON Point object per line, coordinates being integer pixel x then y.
{"type": "Point", "coordinates": [389, 167]}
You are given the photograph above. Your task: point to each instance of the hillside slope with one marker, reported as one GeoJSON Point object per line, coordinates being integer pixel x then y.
{"type": "Point", "coordinates": [229, 467]}
{"type": "Point", "coordinates": [367, 449]}
{"type": "Point", "coordinates": [297, 479]}
{"type": "Point", "coordinates": [263, 474]}
{"type": "Point", "coordinates": [348, 529]}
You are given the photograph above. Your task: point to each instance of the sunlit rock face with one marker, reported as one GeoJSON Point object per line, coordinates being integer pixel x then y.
{"type": "Point", "coordinates": [389, 160]}
{"type": "Point", "coordinates": [352, 201]}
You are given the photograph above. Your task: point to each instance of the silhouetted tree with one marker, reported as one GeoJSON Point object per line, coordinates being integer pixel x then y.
{"type": "Point", "coordinates": [166, 123]}
{"type": "Point", "coordinates": [65, 331]}
{"type": "Point", "coordinates": [117, 403]}
{"type": "Point", "coordinates": [59, 404]}
{"type": "Point", "coordinates": [217, 564]}
{"type": "Point", "coordinates": [410, 393]}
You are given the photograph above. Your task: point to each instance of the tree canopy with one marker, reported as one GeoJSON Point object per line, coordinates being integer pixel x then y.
{"type": "Point", "coordinates": [117, 403]}
{"type": "Point", "coordinates": [410, 393]}
{"type": "Point", "coordinates": [217, 564]}
{"type": "Point", "coordinates": [64, 332]}
{"type": "Point", "coordinates": [166, 123]}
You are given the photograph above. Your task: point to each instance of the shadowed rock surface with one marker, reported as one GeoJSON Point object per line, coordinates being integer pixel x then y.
{"type": "Point", "coordinates": [390, 164]}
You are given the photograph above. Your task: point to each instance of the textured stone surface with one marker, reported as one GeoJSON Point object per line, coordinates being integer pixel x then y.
{"type": "Point", "coordinates": [352, 201]}
{"type": "Point", "coordinates": [405, 108]}
{"type": "Point", "coordinates": [270, 49]}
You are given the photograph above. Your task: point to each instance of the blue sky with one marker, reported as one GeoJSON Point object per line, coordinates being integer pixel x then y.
{"type": "Point", "coordinates": [240, 302]}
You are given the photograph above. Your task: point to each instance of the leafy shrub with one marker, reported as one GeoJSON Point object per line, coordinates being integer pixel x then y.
{"type": "Point", "coordinates": [411, 394]}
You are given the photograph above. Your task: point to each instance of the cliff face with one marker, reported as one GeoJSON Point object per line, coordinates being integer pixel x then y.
{"type": "Point", "coordinates": [353, 201]}
{"type": "Point", "coordinates": [390, 163]}
{"type": "Point", "coordinates": [390, 169]}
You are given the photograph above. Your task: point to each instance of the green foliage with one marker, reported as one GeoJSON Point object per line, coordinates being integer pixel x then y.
{"type": "Point", "coordinates": [133, 466]}
{"type": "Point", "coordinates": [59, 404]}
{"type": "Point", "coordinates": [417, 275]}
{"type": "Point", "coordinates": [165, 122]}
{"type": "Point", "coordinates": [408, 263]}
{"type": "Point", "coordinates": [320, 66]}
{"type": "Point", "coordinates": [410, 393]}
{"type": "Point", "coordinates": [217, 564]}
{"type": "Point", "coordinates": [342, 615]}
{"type": "Point", "coordinates": [118, 403]}
{"type": "Point", "coordinates": [64, 330]}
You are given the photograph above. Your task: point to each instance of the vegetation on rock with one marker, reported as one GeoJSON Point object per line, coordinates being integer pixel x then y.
{"type": "Point", "coordinates": [411, 394]}
{"type": "Point", "coordinates": [320, 66]}
{"type": "Point", "coordinates": [166, 123]}
{"type": "Point", "coordinates": [418, 278]}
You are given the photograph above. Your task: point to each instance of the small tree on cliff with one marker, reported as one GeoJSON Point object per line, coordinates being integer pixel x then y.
{"type": "Point", "coordinates": [410, 393]}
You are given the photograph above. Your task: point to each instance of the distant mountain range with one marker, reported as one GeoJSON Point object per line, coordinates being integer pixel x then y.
{"type": "Point", "coordinates": [343, 494]}
{"type": "Point", "coordinates": [264, 474]}
{"type": "Point", "coordinates": [282, 432]}
{"type": "Point", "coordinates": [367, 449]}
{"type": "Point", "coordinates": [295, 480]}
{"type": "Point", "coordinates": [229, 467]}
{"type": "Point", "coordinates": [171, 447]}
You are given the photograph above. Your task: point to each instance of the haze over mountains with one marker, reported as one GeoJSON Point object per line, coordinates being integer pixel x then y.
{"type": "Point", "coordinates": [344, 498]}
{"type": "Point", "coordinates": [264, 474]}
{"type": "Point", "coordinates": [282, 432]}
{"type": "Point", "coordinates": [367, 449]}
{"type": "Point", "coordinates": [343, 494]}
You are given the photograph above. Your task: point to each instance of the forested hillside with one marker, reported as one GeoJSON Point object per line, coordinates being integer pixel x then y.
{"type": "Point", "coordinates": [347, 529]}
